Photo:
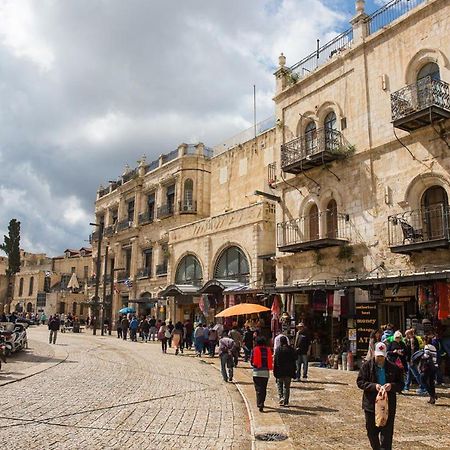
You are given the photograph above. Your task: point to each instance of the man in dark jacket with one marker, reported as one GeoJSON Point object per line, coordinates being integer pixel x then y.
{"type": "Point", "coordinates": [53, 326]}
{"type": "Point", "coordinates": [373, 375]}
{"type": "Point", "coordinates": [284, 369]}
{"type": "Point", "coordinates": [302, 345]}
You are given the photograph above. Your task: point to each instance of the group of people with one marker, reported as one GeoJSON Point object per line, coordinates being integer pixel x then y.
{"type": "Point", "coordinates": [417, 357]}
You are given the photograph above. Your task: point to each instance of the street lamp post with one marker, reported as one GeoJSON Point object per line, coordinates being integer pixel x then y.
{"type": "Point", "coordinates": [95, 300]}
{"type": "Point", "coordinates": [104, 291]}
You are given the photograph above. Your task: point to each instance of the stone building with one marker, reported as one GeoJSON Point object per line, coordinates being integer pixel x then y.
{"type": "Point", "coordinates": [136, 213]}
{"type": "Point", "coordinates": [363, 132]}
{"type": "Point", "coordinates": [42, 283]}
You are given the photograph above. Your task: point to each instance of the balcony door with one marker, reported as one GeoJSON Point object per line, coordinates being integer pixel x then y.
{"type": "Point", "coordinates": [313, 222]}
{"type": "Point", "coordinates": [310, 138]}
{"type": "Point", "coordinates": [330, 126]}
{"type": "Point", "coordinates": [425, 87]}
{"type": "Point", "coordinates": [332, 223]}
{"type": "Point", "coordinates": [434, 213]}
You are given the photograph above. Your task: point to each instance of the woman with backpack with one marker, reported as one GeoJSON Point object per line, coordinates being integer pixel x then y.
{"type": "Point", "coordinates": [163, 336]}
{"type": "Point", "coordinates": [284, 369]}
{"type": "Point", "coordinates": [262, 363]}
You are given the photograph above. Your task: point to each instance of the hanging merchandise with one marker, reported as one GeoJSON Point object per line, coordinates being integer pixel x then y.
{"type": "Point", "coordinates": [422, 299]}
{"type": "Point", "coordinates": [444, 300]}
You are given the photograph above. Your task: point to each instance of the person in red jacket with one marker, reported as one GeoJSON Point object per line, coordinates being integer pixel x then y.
{"type": "Point", "coordinates": [261, 361]}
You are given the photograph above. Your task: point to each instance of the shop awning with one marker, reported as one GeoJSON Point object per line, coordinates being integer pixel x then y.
{"type": "Point", "coordinates": [215, 285]}
{"type": "Point", "coordinates": [174, 290]}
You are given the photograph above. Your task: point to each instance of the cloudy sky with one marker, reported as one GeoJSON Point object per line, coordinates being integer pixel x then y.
{"type": "Point", "coordinates": [87, 86]}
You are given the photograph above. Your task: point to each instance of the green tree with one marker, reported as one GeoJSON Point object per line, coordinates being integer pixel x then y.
{"type": "Point", "coordinates": [11, 246]}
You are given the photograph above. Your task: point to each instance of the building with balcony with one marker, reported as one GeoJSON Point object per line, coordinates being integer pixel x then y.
{"type": "Point", "coordinates": [364, 139]}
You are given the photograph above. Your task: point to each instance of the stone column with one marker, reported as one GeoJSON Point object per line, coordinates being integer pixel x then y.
{"type": "Point", "coordinates": [359, 23]}
{"type": "Point", "coordinates": [281, 74]}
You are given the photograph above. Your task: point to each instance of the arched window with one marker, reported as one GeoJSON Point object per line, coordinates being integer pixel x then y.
{"type": "Point", "coordinates": [31, 287]}
{"type": "Point", "coordinates": [434, 212]}
{"type": "Point", "coordinates": [310, 138]}
{"type": "Point", "coordinates": [429, 70]}
{"type": "Point", "coordinates": [21, 287]}
{"type": "Point", "coordinates": [29, 307]}
{"type": "Point", "coordinates": [313, 223]}
{"type": "Point", "coordinates": [188, 195]}
{"type": "Point", "coordinates": [332, 222]}
{"type": "Point", "coordinates": [330, 127]}
{"type": "Point", "coordinates": [189, 271]}
{"type": "Point", "coordinates": [232, 265]}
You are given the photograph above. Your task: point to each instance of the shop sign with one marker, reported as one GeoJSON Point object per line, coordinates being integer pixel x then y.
{"type": "Point", "coordinates": [376, 295]}
{"type": "Point", "coordinates": [301, 299]}
{"type": "Point", "coordinates": [405, 292]}
{"type": "Point", "coordinates": [366, 322]}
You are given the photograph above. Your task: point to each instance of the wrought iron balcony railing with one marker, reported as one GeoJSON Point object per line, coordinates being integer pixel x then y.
{"type": "Point", "coordinates": [109, 231]}
{"type": "Point", "coordinates": [314, 231]}
{"type": "Point", "coordinates": [420, 103]}
{"type": "Point", "coordinates": [124, 224]}
{"type": "Point", "coordinates": [420, 229]}
{"type": "Point", "coordinates": [161, 269]}
{"type": "Point", "coordinates": [146, 217]}
{"type": "Point", "coordinates": [187, 207]}
{"type": "Point", "coordinates": [144, 272]}
{"type": "Point", "coordinates": [165, 211]}
{"type": "Point", "coordinates": [313, 149]}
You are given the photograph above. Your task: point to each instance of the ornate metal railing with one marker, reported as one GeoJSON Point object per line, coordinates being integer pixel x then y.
{"type": "Point", "coordinates": [165, 211]}
{"type": "Point", "coordinates": [418, 96]}
{"type": "Point", "coordinates": [306, 146]}
{"type": "Point", "coordinates": [170, 156]}
{"type": "Point", "coordinates": [187, 207]}
{"type": "Point", "coordinates": [145, 217]}
{"type": "Point", "coordinates": [323, 54]}
{"type": "Point", "coordinates": [308, 228]}
{"type": "Point", "coordinates": [123, 225]}
{"type": "Point", "coordinates": [390, 12]}
{"type": "Point", "coordinates": [161, 269]}
{"type": "Point", "coordinates": [420, 225]}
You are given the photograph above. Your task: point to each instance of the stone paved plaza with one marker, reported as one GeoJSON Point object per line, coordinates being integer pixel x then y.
{"type": "Point", "coordinates": [101, 392]}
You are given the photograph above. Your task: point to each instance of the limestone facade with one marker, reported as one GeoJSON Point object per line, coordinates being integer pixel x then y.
{"type": "Point", "coordinates": [378, 176]}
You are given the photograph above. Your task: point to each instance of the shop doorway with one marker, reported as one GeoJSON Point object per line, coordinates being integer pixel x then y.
{"type": "Point", "coordinates": [392, 313]}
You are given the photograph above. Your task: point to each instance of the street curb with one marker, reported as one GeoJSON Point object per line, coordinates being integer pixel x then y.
{"type": "Point", "coordinates": [59, 354]}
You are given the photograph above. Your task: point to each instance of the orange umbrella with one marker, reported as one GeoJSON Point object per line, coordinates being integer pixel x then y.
{"type": "Point", "coordinates": [241, 309]}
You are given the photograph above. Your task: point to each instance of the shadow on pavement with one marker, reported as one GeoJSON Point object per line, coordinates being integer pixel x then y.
{"type": "Point", "coordinates": [329, 382]}
{"type": "Point", "coordinates": [307, 388]}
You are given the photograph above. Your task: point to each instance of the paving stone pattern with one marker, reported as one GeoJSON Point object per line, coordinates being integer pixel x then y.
{"type": "Point", "coordinates": [112, 394]}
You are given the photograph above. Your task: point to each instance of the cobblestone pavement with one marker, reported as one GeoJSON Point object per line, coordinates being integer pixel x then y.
{"type": "Point", "coordinates": [326, 412]}
{"type": "Point", "coordinates": [112, 394]}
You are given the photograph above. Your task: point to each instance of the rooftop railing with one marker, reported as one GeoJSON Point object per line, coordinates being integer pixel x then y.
{"type": "Point", "coordinates": [170, 156]}
{"type": "Point", "coordinates": [390, 12]}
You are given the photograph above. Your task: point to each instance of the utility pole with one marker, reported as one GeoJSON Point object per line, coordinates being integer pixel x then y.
{"type": "Point", "coordinates": [104, 291]}
{"type": "Point", "coordinates": [95, 300]}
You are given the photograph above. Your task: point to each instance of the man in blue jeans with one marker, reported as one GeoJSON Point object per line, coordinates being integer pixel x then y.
{"type": "Point", "coordinates": [226, 346]}
{"type": "Point", "coordinates": [302, 345]}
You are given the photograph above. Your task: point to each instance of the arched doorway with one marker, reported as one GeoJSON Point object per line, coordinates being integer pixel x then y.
{"type": "Point", "coordinates": [313, 223]}
{"type": "Point", "coordinates": [431, 70]}
{"type": "Point", "coordinates": [232, 265]}
{"type": "Point", "coordinates": [435, 213]}
{"type": "Point", "coordinates": [332, 222]}
{"type": "Point", "coordinates": [189, 271]}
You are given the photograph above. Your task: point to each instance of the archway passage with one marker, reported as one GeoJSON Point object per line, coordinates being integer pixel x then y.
{"type": "Point", "coordinates": [232, 265]}
{"type": "Point", "coordinates": [189, 271]}
{"type": "Point", "coordinates": [435, 213]}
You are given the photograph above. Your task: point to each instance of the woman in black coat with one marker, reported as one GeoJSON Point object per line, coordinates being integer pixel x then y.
{"type": "Point", "coordinates": [284, 369]}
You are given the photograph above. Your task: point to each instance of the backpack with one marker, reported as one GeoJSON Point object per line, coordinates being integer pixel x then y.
{"type": "Point", "coordinates": [420, 341]}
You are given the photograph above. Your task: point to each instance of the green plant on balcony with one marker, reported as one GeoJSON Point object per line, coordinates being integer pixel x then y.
{"type": "Point", "coordinates": [344, 150]}
{"type": "Point", "coordinates": [346, 252]}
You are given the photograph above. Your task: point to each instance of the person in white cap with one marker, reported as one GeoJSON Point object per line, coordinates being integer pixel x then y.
{"type": "Point", "coordinates": [375, 374]}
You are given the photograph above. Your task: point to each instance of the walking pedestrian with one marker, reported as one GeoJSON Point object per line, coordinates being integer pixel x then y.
{"type": "Point", "coordinates": [205, 338]}
{"type": "Point", "coordinates": [284, 369]}
{"type": "Point", "coordinates": [134, 325]}
{"type": "Point", "coordinates": [119, 327]}
{"type": "Point", "coordinates": [212, 340]}
{"type": "Point", "coordinates": [177, 337]}
{"type": "Point", "coordinates": [375, 336]}
{"type": "Point", "coordinates": [144, 326]}
{"type": "Point", "coordinates": [199, 337]}
{"type": "Point", "coordinates": [53, 325]}
{"type": "Point", "coordinates": [189, 328]}
{"type": "Point", "coordinates": [262, 362]}
{"type": "Point", "coordinates": [152, 324]}
{"type": "Point", "coordinates": [170, 327]}
{"type": "Point", "coordinates": [125, 325]}
{"type": "Point", "coordinates": [396, 351]}
{"type": "Point", "coordinates": [248, 343]}
{"type": "Point", "coordinates": [375, 375]}
{"type": "Point", "coordinates": [412, 346]}
{"type": "Point", "coordinates": [162, 336]}
{"type": "Point", "coordinates": [236, 335]}
{"type": "Point", "coordinates": [427, 369]}
{"type": "Point", "coordinates": [226, 345]}
{"type": "Point", "coordinates": [302, 345]}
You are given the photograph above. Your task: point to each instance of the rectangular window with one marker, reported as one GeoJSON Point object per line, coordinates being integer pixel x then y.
{"type": "Point", "coordinates": [128, 261]}
{"type": "Point", "coordinates": [130, 207]}
{"type": "Point", "coordinates": [73, 269]}
{"type": "Point", "coordinates": [148, 258]}
{"type": "Point", "coordinates": [151, 205]}
{"type": "Point", "coordinates": [41, 300]}
{"type": "Point", "coordinates": [170, 197]}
